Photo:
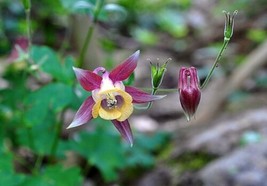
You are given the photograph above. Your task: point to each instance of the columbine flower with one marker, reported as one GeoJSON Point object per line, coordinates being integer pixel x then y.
{"type": "Point", "coordinates": [110, 99]}
{"type": "Point", "coordinates": [189, 91]}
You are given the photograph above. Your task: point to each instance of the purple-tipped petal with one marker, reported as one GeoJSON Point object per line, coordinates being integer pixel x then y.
{"type": "Point", "coordinates": [140, 96]}
{"type": "Point", "coordinates": [88, 79]}
{"type": "Point", "coordinates": [84, 114]}
{"type": "Point", "coordinates": [125, 69]}
{"type": "Point", "coordinates": [125, 130]}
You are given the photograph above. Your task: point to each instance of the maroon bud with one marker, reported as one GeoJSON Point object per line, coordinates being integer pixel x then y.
{"type": "Point", "coordinates": [189, 91]}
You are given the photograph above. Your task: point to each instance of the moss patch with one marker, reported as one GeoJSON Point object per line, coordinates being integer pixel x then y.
{"type": "Point", "coordinates": [193, 161]}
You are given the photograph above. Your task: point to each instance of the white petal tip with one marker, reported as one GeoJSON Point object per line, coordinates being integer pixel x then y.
{"type": "Point", "coordinates": [136, 54]}
{"type": "Point", "coordinates": [69, 127]}
{"type": "Point", "coordinates": [160, 97]}
{"type": "Point", "coordinates": [74, 124]}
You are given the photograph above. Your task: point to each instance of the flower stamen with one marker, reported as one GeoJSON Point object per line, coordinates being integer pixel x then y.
{"type": "Point", "coordinates": [111, 101]}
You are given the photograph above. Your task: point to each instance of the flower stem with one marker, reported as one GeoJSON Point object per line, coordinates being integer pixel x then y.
{"type": "Point", "coordinates": [85, 45]}
{"type": "Point", "coordinates": [28, 22]}
{"type": "Point", "coordinates": [56, 139]}
{"type": "Point", "coordinates": [58, 130]}
{"type": "Point", "coordinates": [89, 34]}
{"type": "Point", "coordinates": [37, 164]}
{"type": "Point", "coordinates": [215, 64]}
{"type": "Point", "coordinates": [160, 89]}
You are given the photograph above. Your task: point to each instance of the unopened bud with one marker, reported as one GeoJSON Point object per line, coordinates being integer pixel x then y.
{"type": "Point", "coordinates": [189, 90]}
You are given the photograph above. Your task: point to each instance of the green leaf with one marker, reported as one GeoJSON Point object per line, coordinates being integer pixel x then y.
{"type": "Point", "coordinates": [7, 173]}
{"type": "Point", "coordinates": [56, 175]}
{"type": "Point", "coordinates": [172, 22]}
{"type": "Point", "coordinates": [145, 36]}
{"type": "Point", "coordinates": [48, 61]}
{"type": "Point", "coordinates": [257, 35]}
{"type": "Point", "coordinates": [6, 162]}
{"type": "Point", "coordinates": [55, 96]}
{"type": "Point", "coordinates": [11, 179]}
{"type": "Point", "coordinates": [142, 153]}
{"type": "Point", "coordinates": [79, 96]}
{"type": "Point", "coordinates": [153, 142]}
{"type": "Point", "coordinates": [67, 71]}
{"type": "Point", "coordinates": [39, 137]}
{"type": "Point", "coordinates": [13, 96]}
{"type": "Point", "coordinates": [102, 149]}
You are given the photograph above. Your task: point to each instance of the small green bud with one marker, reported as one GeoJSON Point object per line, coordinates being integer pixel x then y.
{"type": "Point", "coordinates": [26, 4]}
{"type": "Point", "coordinates": [229, 24]}
{"type": "Point", "coordinates": [157, 73]}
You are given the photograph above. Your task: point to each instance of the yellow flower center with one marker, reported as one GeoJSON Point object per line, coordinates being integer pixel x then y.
{"type": "Point", "coordinates": [112, 104]}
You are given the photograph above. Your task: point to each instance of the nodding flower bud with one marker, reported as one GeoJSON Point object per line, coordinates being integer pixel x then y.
{"type": "Point", "coordinates": [229, 24]}
{"type": "Point", "coordinates": [189, 90]}
{"type": "Point", "coordinates": [157, 73]}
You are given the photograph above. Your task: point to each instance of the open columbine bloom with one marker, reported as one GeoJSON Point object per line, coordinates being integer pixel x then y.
{"type": "Point", "coordinates": [110, 99]}
{"type": "Point", "coordinates": [189, 91]}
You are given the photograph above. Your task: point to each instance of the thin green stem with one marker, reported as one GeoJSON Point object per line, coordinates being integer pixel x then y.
{"type": "Point", "coordinates": [28, 22]}
{"type": "Point", "coordinates": [58, 130]}
{"type": "Point", "coordinates": [215, 64]}
{"type": "Point", "coordinates": [86, 45]}
{"type": "Point", "coordinates": [160, 89]}
{"type": "Point", "coordinates": [56, 139]}
{"type": "Point", "coordinates": [99, 5]}
{"type": "Point", "coordinates": [37, 165]}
